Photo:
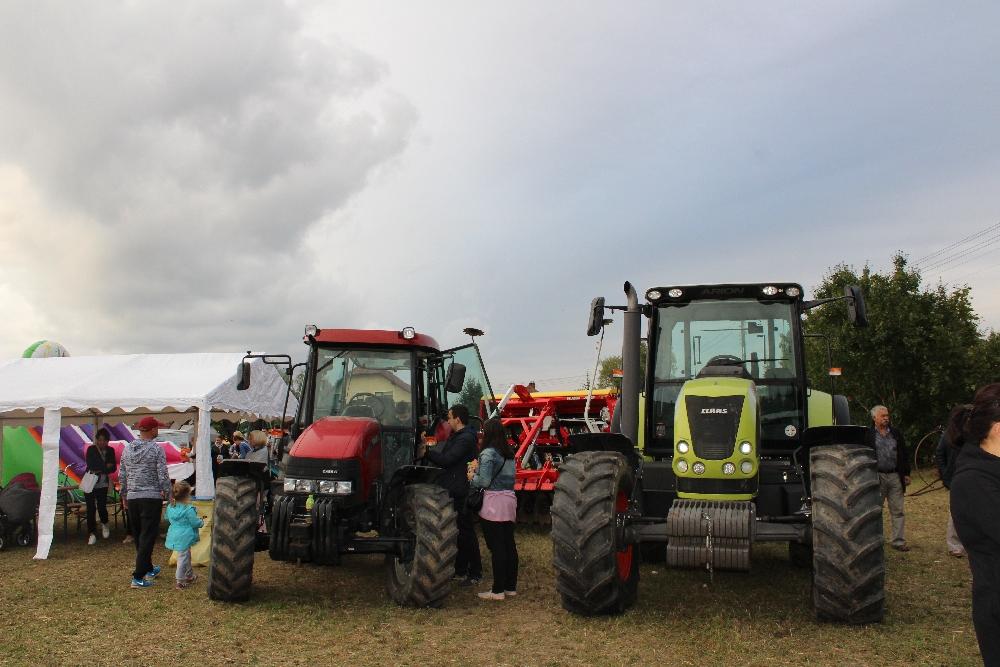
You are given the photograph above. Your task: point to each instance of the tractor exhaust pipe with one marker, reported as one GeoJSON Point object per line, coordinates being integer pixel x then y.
{"type": "Point", "coordinates": [631, 382]}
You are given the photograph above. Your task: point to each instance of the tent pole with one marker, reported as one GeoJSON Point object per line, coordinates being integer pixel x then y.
{"type": "Point", "coordinates": [205, 482]}
{"type": "Point", "coordinates": [51, 425]}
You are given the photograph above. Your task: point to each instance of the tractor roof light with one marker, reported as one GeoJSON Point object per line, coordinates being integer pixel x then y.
{"type": "Point", "coordinates": [698, 468]}
{"type": "Point", "coordinates": [312, 330]}
{"type": "Point", "coordinates": [793, 291]}
{"type": "Point", "coordinates": [653, 294]}
{"type": "Point", "coordinates": [770, 290]}
{"type": "Point", "coordinates": [675, 293]}
{"type": "Point", "coordinates": [408, 333]}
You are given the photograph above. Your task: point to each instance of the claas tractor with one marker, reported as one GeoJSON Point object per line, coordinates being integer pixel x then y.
{"type": "Point", "coordinates": [738, 448]}
{"type": "Point", "coordinates": [345, 480]}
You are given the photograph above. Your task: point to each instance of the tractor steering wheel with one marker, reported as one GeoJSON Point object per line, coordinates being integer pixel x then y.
{"type": "Point", "coordinates": [725, 360]}
{"type": "Point", "coordinates": [371, 400]}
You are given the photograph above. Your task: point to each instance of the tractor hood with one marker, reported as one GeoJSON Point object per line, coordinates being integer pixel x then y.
{"type": "Point", "coordinates": [338, 438]}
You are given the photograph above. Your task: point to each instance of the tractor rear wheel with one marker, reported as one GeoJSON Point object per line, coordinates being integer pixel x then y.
{"type": "Point", "coordinates": [424, 581]}
{"type": "Point", "coordinates": [234, 535]}
{"type": "Point", "coordinates": [595, 572]}
{"type": "Point", "coordinates": [848, 556]}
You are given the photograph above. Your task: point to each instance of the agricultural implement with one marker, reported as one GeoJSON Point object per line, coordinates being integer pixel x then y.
{"type": "Point", "coordinates": [539, 426]}
{"type": "Point", "coordinates": [737, 448]}
{"type": "Point", "coordinates": [348, 483]}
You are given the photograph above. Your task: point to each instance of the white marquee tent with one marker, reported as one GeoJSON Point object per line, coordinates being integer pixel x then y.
{"type": "Point", "coordinates": [89, 389]}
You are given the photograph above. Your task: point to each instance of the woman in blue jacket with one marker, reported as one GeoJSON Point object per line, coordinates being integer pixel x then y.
{"type": "Point", "coordinates": [494, 471]}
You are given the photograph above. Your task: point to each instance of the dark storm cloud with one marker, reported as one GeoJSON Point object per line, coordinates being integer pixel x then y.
{"type": "Point", "coordinates": [197, 142]}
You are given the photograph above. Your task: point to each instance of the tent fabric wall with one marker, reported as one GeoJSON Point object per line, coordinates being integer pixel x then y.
{"type": "Point", "coordinates": [151, 382]}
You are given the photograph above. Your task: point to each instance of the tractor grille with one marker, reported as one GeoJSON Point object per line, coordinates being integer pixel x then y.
{"type": "Point", "coordinates": [714, 421]}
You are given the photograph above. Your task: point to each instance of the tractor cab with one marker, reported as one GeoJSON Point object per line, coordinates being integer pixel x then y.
{"type": "Point", "coordinates": [401, 380]}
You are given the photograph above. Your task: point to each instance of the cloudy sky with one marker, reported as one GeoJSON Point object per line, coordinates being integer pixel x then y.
{"type": "Point", "coordinates": [211, 176]}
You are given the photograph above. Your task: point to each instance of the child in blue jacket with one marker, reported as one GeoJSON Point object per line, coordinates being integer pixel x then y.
{"type": "Point", "coordinates": [183, 533]}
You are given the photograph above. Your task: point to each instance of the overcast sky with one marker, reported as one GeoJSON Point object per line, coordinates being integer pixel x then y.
{"type": "Point", "coordinates": [211, 176]}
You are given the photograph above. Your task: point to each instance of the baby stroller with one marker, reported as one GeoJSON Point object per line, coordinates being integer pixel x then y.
{"type": "Point", "coordinates": [18, 506]}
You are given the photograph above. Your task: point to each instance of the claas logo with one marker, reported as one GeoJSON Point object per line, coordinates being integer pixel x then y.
{"type": "Point", "coordinates": [715, 411]}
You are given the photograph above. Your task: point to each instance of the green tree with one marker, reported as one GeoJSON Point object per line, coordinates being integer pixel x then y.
{"type": "Point", "coordinates": [605, 378]}
{"type": "Point", "coordinates": [922, 353]}
{"type": "Point", "coordinates": [470, 396]}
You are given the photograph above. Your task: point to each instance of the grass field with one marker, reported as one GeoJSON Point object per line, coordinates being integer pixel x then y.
{"type": "Point", "coordinates": [77, 609]}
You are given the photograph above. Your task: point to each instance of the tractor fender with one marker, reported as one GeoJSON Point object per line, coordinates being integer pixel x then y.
{"type": "Point", "coordinates": [604, 442]}
{"type": "Point", "coordinates": [403, 477]}
{"type": "Point", "coordinates": [239, 468]}
{"type": "Point", "coordinates": [818, 436]}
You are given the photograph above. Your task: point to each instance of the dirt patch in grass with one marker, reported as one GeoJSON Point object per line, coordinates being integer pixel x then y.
{"type": "Point", "coordinates": [77, 609]}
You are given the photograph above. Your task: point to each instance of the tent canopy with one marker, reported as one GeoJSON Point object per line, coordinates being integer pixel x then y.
{"type": "Point", "coordinates": [152, 381]}
{"type": "Point", "coordinates": [156, 383]}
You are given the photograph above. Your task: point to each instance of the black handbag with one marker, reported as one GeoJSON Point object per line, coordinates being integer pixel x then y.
{"type": "Point", "coordinates": [474, 501]}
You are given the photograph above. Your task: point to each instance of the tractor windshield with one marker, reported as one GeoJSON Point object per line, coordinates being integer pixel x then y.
{"type": "Point", "coordinates": [757, 335]}
{"type": "Point", "coordinates": [364, 383]}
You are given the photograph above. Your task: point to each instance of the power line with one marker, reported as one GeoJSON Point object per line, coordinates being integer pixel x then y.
{"type": "Point", "coordinates": [957, 244]}
{"type": "Point", "coordinates": [950, 259]}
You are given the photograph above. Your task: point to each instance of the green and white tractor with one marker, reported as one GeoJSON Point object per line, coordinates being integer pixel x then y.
{"type": "Point", "coordinates": [736, 448]}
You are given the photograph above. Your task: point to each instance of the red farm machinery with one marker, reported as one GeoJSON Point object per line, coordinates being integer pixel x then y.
{"type": "Point", "coordinates": [539, 425]}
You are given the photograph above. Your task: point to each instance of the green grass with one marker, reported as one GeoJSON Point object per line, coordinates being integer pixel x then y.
{"type": "Point", "coordinates": [77, 609]}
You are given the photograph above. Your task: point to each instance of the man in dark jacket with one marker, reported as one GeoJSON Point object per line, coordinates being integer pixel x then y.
{"type": "Point", "coordinates": [461, 448]}
{"type": "Point", "coordinates": [945, 458]}
{"type": "Point", "coordinates": [893, 469]}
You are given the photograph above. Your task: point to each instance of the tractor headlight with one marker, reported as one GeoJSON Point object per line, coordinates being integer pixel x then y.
{"type": "Point", "coordinates": [675, 293]}
{"type": "Point", "coordinates": [728, 469]}
{"type": "Point", "coordinates": [793, 291]}
{"type": "Point", "coordinates": [408, 333]}
{"type": "Point", "coordinates": [770, 290]}
{"type": "Point", "coordinates": [332, 486]}
{"type": "Point", "coordinates": [746, 467]}
{"type": "Point", "coordinates": [312, 329]}
{"type": "Point", "coordinates": [698, 468]}
{"type": "Point", "coordinates": [682, 466]}
{"type": "Point", "coordinates": [653, 294]}
{"type": "Point", "coordinates": [299, 485]}
{"type": "Point", "coordinates": [683, 447]}
{"type": "Point", "coordinates": [745, 448]}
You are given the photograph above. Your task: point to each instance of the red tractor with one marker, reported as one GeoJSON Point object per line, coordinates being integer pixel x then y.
{"type": "Point", "coordinates": [349, 484]}
{"type": "Point", "coordinates": [539, 425]}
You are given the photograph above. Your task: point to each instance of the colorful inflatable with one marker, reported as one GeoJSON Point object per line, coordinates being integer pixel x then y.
{"type": "Point", "coordinates": [44, 349]}
{"type": "Point", "coordinates": [22, 452]}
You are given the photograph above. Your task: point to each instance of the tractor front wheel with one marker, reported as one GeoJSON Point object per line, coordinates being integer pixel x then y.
{"type": "Point", "coordinates": [234, 536]}
{"type": "Point", "coordinates": [848, 557]}
{"type": "Point", "coordinates": [425, 580]}
{"type": "Point", "coordinates": [595, 572]}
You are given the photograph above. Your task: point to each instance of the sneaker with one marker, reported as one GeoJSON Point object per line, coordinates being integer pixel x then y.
{"type": "Point", "coordinates": [955, 554]}
{"type": "Point", "coordinates": [510, 594]}
{"type": "Point", "coordinates": [127, 540]}
{"type": "Point", "coordinates": [181, 585]}
{"type": "Point", "coordinates": [901, 547]}
{"type": "Point", "coordinates": [459, 577]}
{"type": "Point", "coordinates": [190, 580]}
{"type": "Point", "coordinates": [490, 595]}
{"type": "Point", "coordinates": [471, 581]}
{"type": "Point", "coordinates": [105, 530]}
{"type": "Point", "coordinates": [152, 575]}
{"type": "Point", "coordinates": [141, 583]}
{"type": "Point", "coordinates": [93, 540]}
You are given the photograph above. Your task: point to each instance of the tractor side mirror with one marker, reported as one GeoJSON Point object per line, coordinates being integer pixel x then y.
{"type": "Point", "coordinates": [596, 316]}
{"type": "Point", "coordinates": [243, 376]}
{"type": "Point", "coordinates": [856, 312]}
{"type": "Point", "coordinates": [455, 379]}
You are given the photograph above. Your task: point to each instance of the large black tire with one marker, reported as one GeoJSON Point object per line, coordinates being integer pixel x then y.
{"type": "Point", "coordinates": [234, 536]}
{"type": "Point", "coordinates": [430, 516]}
{"type": "Point", "coordinates": [848, 556]}
{"type": "Point", "coordinates": [594, 574]}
